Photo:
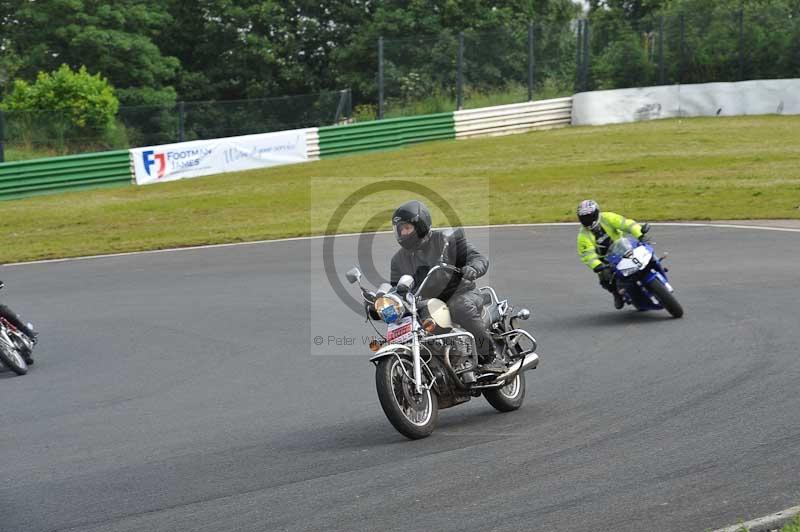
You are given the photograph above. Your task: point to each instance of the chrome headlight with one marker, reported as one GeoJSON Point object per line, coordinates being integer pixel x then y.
{"type": "Point", "coordinates": [390, 308]}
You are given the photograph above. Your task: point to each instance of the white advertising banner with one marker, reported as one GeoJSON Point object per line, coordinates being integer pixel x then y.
{"type": "Point", "coordinates": [169, 162]}
{"type": "Point", "coordinates": [779, 96]}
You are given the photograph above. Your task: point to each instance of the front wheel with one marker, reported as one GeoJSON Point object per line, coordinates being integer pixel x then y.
{"type": "Point", "coordinates": [413, 415]}
{"type": "Point", "coordinates": [12, 359]}
{"type": "Point", "coordinates": [509, 397]}
{"type": "Point", "coordinates": [666, 298]}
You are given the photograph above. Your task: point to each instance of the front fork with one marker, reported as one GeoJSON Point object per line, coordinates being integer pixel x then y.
{"type": "Point", "coordinates": [415, 347]}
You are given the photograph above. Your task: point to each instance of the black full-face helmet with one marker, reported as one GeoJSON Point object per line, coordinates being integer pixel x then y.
{"type": "Point", "coordinates": [589, 214]}
{"type": "Point", "coordinates": [412, 224]}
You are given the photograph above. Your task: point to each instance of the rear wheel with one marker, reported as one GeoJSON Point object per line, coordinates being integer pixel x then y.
{"type": "Point", "coordinates": [12, 359]}
{"type": "Point", "coordinates": [413, 415]}
{"type": "Point", "coordinates": [509, 397]}
{"type": "Point", "coordinates": [666, 298]}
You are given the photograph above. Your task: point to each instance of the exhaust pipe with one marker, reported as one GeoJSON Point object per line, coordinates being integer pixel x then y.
{"type": "Point", "coordinates": [531, 361]}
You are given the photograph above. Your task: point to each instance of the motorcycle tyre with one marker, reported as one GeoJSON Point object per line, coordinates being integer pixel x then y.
{"type": "Point", "coordinates": [666, 298]}
{"type": "Point", "coordinates": [383, 384]}
{"type": "Point", "coordinates": [14, 363]}
{"type": "Point", "coordinates": [502, 402]}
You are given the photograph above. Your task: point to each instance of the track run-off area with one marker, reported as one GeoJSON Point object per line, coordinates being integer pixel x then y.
{"type": "Point", "coordinates": [183, 390]}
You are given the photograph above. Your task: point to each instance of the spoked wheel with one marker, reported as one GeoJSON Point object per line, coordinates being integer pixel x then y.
{"type": "Point", "coordinates": [413, 415]}
{"type": "Point", "coordinates": [509, 397]}
{"type": "Point", "coordinates": [666, 298]}
{"type": "Point", "coordinates": [12, 359]}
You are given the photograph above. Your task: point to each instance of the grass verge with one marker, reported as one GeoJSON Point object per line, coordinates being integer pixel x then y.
{"type": "Point", "coordinates": [698, 169]}
{"type": "Point", "coordinates": [792, 526]}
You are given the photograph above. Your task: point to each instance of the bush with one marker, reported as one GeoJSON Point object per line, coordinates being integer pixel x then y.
{"type": "Point", "coordinates": [87, 100]}
{"type": "Point", "coordinates": [61, 105]}
{"type": "Point", "coordinates": [623, 63]}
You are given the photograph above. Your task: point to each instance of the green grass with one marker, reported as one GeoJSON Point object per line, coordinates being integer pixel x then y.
{"type": "Point", "coordinates": [695, 169]}
{"type": "Point", "coordinates": [792, 526]}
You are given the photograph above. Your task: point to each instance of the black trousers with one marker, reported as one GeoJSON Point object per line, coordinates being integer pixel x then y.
{"type": "Point", "coordinates": [465, 309]}
{"type": "Point", "coordinates": [9, 314]}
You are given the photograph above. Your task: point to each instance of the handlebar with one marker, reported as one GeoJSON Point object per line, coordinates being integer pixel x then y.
{"type": "Point", "coordinates": [370, 296]}
{"type": "Point", "coordinates": [440, 266]}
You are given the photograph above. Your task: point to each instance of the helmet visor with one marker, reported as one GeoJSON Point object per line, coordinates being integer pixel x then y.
{"type": "Point", "coordinates": [404, 229]}
{"type": "Point", "coordinates": [587, 220]}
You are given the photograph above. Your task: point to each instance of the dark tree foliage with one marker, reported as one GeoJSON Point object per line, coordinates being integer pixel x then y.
{"type": "Point", "coordinates": [115, 40]}
{"type": "Point", "coordinates": [646, 42]}
{"type": "Point", "coordinates": [156, 53]}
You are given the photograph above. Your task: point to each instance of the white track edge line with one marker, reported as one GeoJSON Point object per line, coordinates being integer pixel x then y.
{"type": "Point", "coordinates": [314, 237]}
{"type": "Point", "coordinates": [768, 522]}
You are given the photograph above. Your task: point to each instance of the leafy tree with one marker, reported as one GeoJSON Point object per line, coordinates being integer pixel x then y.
{"type": "Point", "coordinates": [701, 40]}
{"type": "Point", "coordinates": [111, 38]}
{"type": "Point", "coordinates": [421, 42]}
{"type": "Point", "coordinates": [62, 110]}
{"type": "Point", "coordinates": [87, 101]}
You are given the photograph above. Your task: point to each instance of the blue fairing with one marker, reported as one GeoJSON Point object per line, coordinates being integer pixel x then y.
{"type": "Point", "coordinates": [635, 291]}
{"type": "Point", "coordinates": [619, 248]}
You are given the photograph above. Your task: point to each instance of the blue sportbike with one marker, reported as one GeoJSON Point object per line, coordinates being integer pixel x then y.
{"type": "Point", "coordinates": [640, 278]}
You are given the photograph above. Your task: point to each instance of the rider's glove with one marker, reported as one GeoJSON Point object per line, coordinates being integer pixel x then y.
{"type": "Point", "coordinates": [468, 273]}
{"type": "Point", "coordinates": [604, 272]}
{"type": "Point", "coordinates": [644, 228]}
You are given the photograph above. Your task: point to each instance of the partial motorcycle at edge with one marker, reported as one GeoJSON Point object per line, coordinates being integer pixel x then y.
{"type": "Point", "coordinates": [15, 346]}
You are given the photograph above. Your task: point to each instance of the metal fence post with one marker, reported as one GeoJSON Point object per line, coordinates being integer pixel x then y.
{"type": "Point", "coordinates": [682, 60]}
{"type": "Point", "coordinates": [181, 121]}
{"type": "Point", "coordinates": [578, 54]}
{"type": "Point", "coordinates": [460, 73]}
{"type": "Point", "coordinates": [2, 136]}
{"type": "Point", "coordinates": [380, 78]}
{"type": "Point", "coordinates": [585, 73]}
{"type": "Point", "coordinates": [661, 66]}
{"type": "Point", "coordinates": [344, 107]}
{"type": "Point", "coordinates": [531, 60]}
{"type": "Point", "coordinates": [741, 44]}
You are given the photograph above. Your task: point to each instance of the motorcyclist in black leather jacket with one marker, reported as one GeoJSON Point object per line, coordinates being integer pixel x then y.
{"type": "Point", "coordinates": [421, 249]}
{"type": "Point", "coordinates": [25, 328]}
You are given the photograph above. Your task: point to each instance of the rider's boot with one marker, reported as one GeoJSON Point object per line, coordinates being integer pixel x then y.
{"type": "Point", "coordinates": [492, 362]}
{"type": "Point", "coordinates": [618, 301]}
{"type": "Point", "coordinates": [33, 336]}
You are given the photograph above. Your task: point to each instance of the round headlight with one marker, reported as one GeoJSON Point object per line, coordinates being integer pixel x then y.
{"type": "Point", "coordinates": [390, 308]}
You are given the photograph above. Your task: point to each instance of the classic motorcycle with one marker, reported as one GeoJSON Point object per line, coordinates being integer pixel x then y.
{"type": "Point", "coordinates": [640, 277]}
{"type": "Point", "coordinates": [425, 362]}
{"type": "Point", "coordinates": [14, 346]}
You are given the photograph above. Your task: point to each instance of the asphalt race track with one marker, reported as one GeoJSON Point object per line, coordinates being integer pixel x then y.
{"type": "Point", "coordinates": [183, 391]}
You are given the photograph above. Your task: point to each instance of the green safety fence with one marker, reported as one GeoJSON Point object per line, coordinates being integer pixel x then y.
{"type": "Point", "coordinates": [72, 172]}
{"type": "Point", "coordinates": [56, 174]}
{"type": "Point", "coordinates": [384, 134]}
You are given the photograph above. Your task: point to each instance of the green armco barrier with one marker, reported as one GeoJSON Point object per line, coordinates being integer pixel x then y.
{"type": "Point", "coordinates": [20, 179]}
{"type": "Point", "coordinates": [383, 134]}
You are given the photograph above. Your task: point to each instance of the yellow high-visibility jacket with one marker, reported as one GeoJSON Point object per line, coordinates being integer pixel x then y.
{"type": "Point", "coordinates": [615, 225]}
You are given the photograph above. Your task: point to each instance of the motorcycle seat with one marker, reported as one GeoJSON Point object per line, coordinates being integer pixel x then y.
{"type": "Point", "coordinates": [490, 314]}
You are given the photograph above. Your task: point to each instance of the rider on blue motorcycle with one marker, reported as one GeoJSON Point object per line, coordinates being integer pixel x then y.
{"type": "Point", "coordinates": [598, 231]}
